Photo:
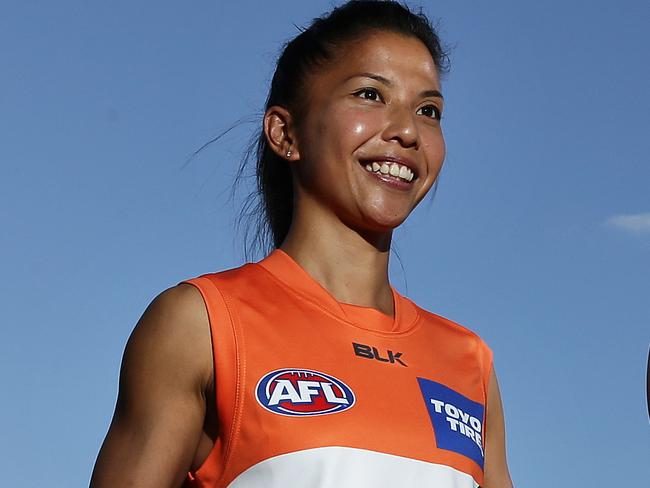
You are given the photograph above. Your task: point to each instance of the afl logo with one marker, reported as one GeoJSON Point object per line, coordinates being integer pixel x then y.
{"type": "Point", "coordinates": [302, 393]}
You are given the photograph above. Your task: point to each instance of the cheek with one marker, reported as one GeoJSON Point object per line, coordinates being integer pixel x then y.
{"type": "Point", "coordinates": [434, 150]}
{"type": "Point", "coordinates": [351, 128]}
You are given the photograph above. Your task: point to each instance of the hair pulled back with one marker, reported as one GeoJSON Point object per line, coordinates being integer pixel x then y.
{"type": "Point", "coordinates": [312, 48]}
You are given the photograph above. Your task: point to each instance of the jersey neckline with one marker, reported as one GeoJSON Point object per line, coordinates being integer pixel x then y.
{"type": "Point", "coordinates": [290, 273]}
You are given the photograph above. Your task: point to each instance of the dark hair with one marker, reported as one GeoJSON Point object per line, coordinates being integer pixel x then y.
{"type": "Point", "coordinates": [271, 204]}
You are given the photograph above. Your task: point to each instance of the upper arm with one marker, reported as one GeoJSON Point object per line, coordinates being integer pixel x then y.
{"type": "Point", "coordinates": [496, 465]}
{"type": "Point", "coordinates": [160, 409]}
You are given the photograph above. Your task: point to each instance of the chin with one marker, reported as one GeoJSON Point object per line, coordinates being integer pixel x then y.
{"type": "Point", "coordinates": [384, 221]}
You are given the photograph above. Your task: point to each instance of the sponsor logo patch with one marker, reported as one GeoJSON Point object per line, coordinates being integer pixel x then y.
{"type": "Point", "coordinates": [303, 392]}
{"type": "Point", "coordinates": [457, 420]}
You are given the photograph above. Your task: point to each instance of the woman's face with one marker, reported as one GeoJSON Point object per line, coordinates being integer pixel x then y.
{"type": "Point", "coordinates": [370, 142]}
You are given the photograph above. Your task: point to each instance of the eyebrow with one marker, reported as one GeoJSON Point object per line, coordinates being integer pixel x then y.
{"type": "Point", "coordinates": [387, 82]}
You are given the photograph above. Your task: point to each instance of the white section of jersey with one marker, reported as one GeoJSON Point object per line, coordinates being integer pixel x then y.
{"type": "Point", "coordinates": [345, 467]}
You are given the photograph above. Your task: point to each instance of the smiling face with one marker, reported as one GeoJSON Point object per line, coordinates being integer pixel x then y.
{"type": "Point", "coordinates": [369, 144]}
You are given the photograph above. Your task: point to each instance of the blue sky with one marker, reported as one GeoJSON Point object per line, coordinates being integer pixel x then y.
{"type": "Point", "coordinates": [538, 237]}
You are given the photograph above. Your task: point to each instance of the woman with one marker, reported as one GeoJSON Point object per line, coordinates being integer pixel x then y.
{"type": "Point", "coordinates": [308, 369]}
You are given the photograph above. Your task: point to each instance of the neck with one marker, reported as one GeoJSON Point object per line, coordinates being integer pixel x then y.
{"type": "Point", "coordinates": [352, 266]}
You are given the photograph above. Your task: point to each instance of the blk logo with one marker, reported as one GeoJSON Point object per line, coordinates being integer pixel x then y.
{"type": "Point", "coordinates": [370, 352]}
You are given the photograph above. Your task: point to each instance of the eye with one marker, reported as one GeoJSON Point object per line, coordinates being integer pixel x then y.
{"type": "Point", "coordinates": [430, 111]}
{"type": "Point", "coordinates": [368, 94]}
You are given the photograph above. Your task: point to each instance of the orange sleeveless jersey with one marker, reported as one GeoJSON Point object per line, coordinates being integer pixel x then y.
{"type": "Point", "coordinates": [311, 395]}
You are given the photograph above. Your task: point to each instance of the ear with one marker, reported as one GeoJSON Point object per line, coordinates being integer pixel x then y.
{"type": "Point", "coordinates": [280, 133]}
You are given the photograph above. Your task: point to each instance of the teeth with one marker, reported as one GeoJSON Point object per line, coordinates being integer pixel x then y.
{"type": "Point", "coordinates": [393, 169]}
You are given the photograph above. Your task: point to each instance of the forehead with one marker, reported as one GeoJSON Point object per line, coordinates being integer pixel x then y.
{"type": "Point", "coordinates": [401, 58]}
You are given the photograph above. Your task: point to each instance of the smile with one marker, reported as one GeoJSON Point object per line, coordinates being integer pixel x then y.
{"type": "Point", "coordinates": [390, 168]}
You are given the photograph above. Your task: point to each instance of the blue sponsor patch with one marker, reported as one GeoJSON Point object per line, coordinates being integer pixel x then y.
{"type": "Point", "coordinates": [457, 420]}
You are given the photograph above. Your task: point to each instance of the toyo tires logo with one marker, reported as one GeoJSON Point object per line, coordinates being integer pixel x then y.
{"type": "Point", "coordinates": [303, 392]}
{"type": "Point", "coordinates": [457, 421]}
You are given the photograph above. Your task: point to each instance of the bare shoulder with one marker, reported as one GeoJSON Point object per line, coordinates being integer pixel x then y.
{"type": "Point", "coordinates": [177, 310]}
{"type": "Point", "coordinates": [160, 409]}
{"type": "Point", "coordinates": [175, 328]}
{"type": "Point", "coordinates": [176, 323]}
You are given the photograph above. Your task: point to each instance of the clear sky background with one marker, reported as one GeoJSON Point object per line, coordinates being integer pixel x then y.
{"type": "Point", "coordinates": [538, 238]}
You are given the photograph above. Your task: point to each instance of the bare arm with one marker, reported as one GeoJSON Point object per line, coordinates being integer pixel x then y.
{"type": "Point", "coordinates": [160, 409]}
{"type": "Point", "coordinates": [496, 465]}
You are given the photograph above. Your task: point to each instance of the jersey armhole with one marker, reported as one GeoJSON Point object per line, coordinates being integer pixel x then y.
{"type": "Point", "coordinates": [487, 364]}
{"type": "Point", "coordinates": [487, 359]}
{"type": "Point", "coordinates": [226, 371]}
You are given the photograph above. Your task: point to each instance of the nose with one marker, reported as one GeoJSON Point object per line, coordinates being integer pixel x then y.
{"type": "Point", "coordinates": [402, 128]}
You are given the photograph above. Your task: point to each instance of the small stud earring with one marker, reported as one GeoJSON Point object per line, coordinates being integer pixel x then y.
{"type": "Point", "coordinates": [289, 153]}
